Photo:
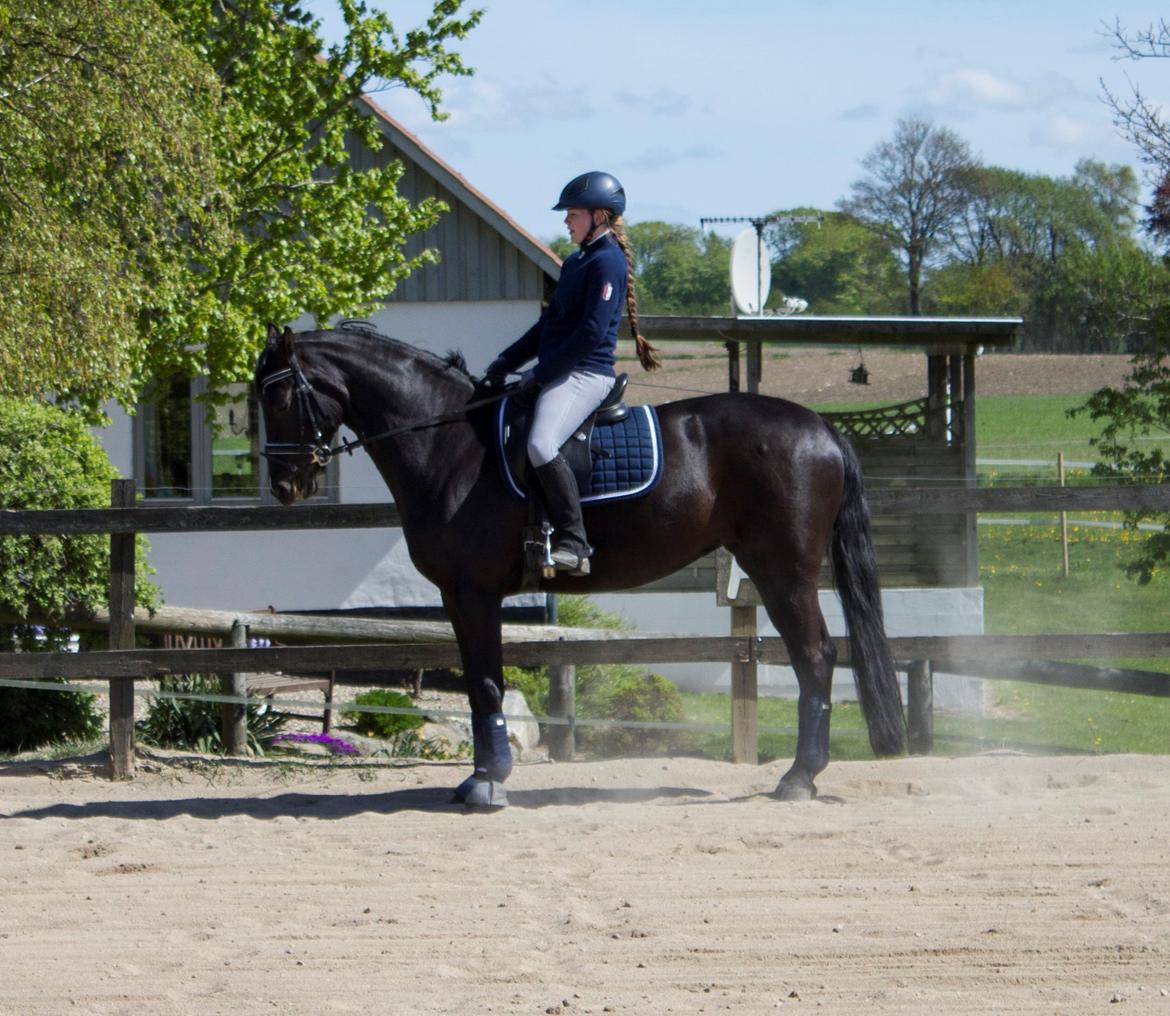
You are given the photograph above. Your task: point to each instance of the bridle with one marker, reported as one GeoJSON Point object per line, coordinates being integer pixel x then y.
{"type": "Point", "coordinates": [309, 409]}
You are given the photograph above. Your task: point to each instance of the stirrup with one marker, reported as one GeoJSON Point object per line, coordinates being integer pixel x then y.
{"type": "Point", "coordinates": [570, 561]}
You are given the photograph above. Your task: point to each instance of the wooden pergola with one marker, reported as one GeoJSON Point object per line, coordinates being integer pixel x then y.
{"type": "Point", "coordinates": [929, 440]}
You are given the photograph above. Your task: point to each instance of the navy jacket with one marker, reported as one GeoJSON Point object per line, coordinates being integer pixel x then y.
{"type": "Point", "coordinates": [578, 330]}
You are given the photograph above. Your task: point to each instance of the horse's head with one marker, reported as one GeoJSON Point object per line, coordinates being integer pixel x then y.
{"type": "Point", "coordinates": [301, 414]}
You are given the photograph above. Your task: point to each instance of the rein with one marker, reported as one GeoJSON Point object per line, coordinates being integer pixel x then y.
{"type": "Point", "coordinates": [308, 406]}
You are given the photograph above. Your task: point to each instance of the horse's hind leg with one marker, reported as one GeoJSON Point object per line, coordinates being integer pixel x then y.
{"type": "Point", "coordinates": [794, 608]}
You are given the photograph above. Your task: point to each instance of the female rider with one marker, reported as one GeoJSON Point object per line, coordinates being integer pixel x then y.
{"type": "Point", "coordinates": [574, 344]}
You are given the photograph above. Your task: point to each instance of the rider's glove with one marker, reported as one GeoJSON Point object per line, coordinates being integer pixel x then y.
{"type": "Point", "coordinates": [497, 371]}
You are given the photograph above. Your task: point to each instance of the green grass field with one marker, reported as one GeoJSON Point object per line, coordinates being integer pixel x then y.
{"type": "Point", "coordinates": [1033, 427]}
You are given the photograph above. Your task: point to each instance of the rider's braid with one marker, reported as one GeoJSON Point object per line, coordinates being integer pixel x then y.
{"type": "Point", "coordinates": [647, 354]}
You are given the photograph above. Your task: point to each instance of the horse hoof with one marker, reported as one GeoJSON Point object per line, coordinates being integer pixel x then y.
{"type": "Point", "coordinates": [485, 794]}
{"type": "Point", "coordinates": [460, 792]}
{"type": "Point", "coordinates": [792, 790]}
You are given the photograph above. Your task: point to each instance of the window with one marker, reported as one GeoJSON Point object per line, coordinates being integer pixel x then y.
{"type": "Point", "coordinates": [165, 443]}
{"type": "Point", "coordinates": [235, 444]}
{"type": "Point", "coordinates": [185, 448]}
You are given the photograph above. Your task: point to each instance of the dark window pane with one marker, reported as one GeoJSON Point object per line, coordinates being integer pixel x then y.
{"type": "Point", "coordinates": [166, 429]}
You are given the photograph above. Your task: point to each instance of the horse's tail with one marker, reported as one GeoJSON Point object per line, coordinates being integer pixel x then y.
{"type": "Point", "coordinates": [855, 575]}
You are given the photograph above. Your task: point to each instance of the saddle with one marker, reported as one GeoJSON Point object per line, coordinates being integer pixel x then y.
{"type": "Point", "coordinates": [614, 454]}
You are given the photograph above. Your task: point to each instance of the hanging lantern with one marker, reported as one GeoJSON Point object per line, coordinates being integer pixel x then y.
{"type": "Point", "coordinates": [859, 375]}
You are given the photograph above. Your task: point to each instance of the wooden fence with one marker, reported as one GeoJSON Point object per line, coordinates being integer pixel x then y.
{"type": "Point", "coordinates": [1020, 657]}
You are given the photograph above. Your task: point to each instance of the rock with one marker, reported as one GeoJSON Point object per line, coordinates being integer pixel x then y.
{"type": "Point", "coordinates": [524, 731]}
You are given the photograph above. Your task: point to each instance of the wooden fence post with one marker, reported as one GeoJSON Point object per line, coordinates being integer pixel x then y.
{"type": "Point", "coordinates": [745, 737]}
{"type": "Point", "coordinates": [920, 692]}
{"type": "Point", "coordinates": [234, 717]}
{"type": "Point", "coordinates": [562, 703]}
{"type": "Point", "coordinates": [122, 545]}
{"type": "Point", "coordinates": [1063, 518]}
{"type": "Point", "coordinates": [732, 365]}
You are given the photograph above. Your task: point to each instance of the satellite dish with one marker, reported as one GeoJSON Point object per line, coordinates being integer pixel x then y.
{"type": "Point", "coordinates": [751, 272]}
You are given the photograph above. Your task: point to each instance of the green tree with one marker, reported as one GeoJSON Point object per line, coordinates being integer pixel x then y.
{"type": "Point", "coordinates": [916, 189]}
{"type": "Point", "coordinates": [52, 461]}
{"type": "Point", "coordinates": [1056, 250]}
{"type": "Point", "coordinates": [313, 232]}
{"type": "Point", "coordinates": [680, 270]}
{"type": "Point", "coordinates": [840, 266]}
{"type": "Point", "coordinates": [109, 186]}
{"type": "Point", "coordinates": [1139, 409]}
{"type": "Point", "coordinates": [173, 174]}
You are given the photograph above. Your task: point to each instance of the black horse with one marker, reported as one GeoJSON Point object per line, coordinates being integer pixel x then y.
{"type": "Point", "coordinates": [769, 480]}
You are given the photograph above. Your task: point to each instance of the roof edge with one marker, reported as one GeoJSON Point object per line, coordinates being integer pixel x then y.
{"type": "Point", "coordinates": [455, 182]}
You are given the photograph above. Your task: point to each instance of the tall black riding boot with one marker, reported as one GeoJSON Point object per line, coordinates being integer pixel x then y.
{"type": "Point", "coordinates": [571, 551]}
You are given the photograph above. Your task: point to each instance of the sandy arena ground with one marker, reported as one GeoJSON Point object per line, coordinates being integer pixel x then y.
{"type": "Point", "coordinates": [996, 884]}
{"type": "Point", "coordinates": [991, 885]}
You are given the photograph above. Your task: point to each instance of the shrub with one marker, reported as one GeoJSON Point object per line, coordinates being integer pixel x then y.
{"type": "Point", "coordinates": [384, 725]}
{"type": "Point", "coordinates": [613, 692]}
{"type": "Point", "coordinates": [52, 460]}
{"type": "Point", "coordinates": [31, 718]}
{"type": "Point", "coordinates": [196, 725]}
{"type": "Point", "coordinates": [619, 692]}
{"type": "Point", "coordinates": [532, 684]}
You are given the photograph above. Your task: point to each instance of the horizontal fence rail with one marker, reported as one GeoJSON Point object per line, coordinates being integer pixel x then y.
{"type": "Point", "coordinates": [916, 500]}
{"type": "Point", "coordinates": [965, 653]}
{"type": "Point", "coordinates": [968, 654]}
{"type": "Point", "coordinates": [399, 645]}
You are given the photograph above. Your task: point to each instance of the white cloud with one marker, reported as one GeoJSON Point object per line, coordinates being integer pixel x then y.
{"type": "Point", "coordinates": [1060, 131]}
{"type": "Point", "coordinates": [484, 102]}
{"type": "Point", "coordinates": [970, 85]}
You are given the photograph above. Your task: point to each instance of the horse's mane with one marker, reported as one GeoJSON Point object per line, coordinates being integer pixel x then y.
{"type": "Point", "coordinates": [453, 362]}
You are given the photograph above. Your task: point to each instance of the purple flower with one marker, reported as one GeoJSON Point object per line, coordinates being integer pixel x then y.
{"type": "Point", "coordinates": [336, 745]}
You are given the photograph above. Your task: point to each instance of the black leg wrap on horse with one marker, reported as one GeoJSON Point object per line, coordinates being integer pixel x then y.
{"type": "Point", "coordinates": [812, 745]}
{"type": "Point", "coordinates": [563, 501]}
{"type": "Point", "coordinates": [812, 750]}
{"type": "Point", "coordinates": [497, 760]}
{"type": "Point", "coordinates": [479, 751]}
{"type": "Point", "coordinates": [485, 789]}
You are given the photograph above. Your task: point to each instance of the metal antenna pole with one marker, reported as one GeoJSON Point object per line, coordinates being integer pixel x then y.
{"type": "Point", "coordinates": [759, 222]}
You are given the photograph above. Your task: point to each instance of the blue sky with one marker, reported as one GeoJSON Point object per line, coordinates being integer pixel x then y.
{"type": "Point", "coordinates": [746, 106]}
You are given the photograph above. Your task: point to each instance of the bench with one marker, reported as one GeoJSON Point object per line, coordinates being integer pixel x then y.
{"type": "Point", "coordinates": [272, 685]}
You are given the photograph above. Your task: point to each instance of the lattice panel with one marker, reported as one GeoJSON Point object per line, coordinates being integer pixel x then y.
{"type": "Point", "coordinates": [906, 419]}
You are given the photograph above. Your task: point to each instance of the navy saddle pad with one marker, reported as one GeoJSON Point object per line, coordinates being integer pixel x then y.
{"type": "Point", "coordinates": [626, 456]}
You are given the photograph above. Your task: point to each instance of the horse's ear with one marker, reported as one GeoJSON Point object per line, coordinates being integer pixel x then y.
{"type": "Point", "coordinates": [287, 339]}
{"type": "Point", "coordinates": [273, 336]}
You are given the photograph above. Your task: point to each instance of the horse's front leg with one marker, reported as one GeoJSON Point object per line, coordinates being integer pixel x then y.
{"type": "Point", "coordinates": [476, 618]}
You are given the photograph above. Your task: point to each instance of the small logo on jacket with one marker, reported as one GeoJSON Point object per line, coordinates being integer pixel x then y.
{"type": "Point", "coordinates": [606, 291]}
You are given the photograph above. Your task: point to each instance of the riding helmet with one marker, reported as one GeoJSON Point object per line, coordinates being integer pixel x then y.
{"type": "Point", "coordinates": [593, 190]}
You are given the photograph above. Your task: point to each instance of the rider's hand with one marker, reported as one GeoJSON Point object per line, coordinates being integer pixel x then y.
{"type": "Point", "coordinates": [496, 373]}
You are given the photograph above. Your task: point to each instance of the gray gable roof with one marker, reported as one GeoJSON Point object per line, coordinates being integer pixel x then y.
{"type": "Point", "coordinates": [485, 254]}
